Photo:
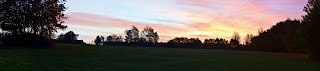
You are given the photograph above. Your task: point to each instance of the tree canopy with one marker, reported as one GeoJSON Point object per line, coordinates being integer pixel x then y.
{"type": "Point", "coordinates": [151, 36]}
{"type": "Point", "coordinates": [280, 37]}
{"type": "Point", "coordinates": [31, 20]}
{"type": "Point", "coordinates": [309, 29]}
{"type": "Point", "coordinates": [99, 40]}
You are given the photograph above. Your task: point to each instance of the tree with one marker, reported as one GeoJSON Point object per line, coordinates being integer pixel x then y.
{"type": "Point", "coordinates": [235, 39]}
{"type": "Point", "coordinates": [309, 29]}
{"type": "Point", "coordinates": [132, 35]}
{"type": "Point", "coordinates": [151, 36]}
{"type": "Point", "coordinates": [128, 36]}
{"type": "Point", "coordinates": [114, 38]}
{"type": "Point", "coordinates": [135, 34]}
{"type": "Point", "coordinates": [99, 40]}
{"type": "Point", "coordinates": [31, 20]}
{"type": "Point", "coordinates": [234, 43]}
{"type": "Point", "coordinates": [248, 39]}
{"type": "Point", "coordinates": [236, 36]}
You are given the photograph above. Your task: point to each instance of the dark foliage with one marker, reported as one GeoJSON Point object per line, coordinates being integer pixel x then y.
{"type": "Point", "coordinates": [31, 22]}
{"type": "Point", "coordinates": [282, 37]}
{"type": "Point", "coordinates": [309, 29]}
{"type": "Point", "coordinates": [147, 35]}
{"type": "Point", "coordinates": [99, 40]}
{"type": "Point", "coordinates": [215, 43]}
{"type": "Point", "coordinates": [114, 38]}
{"type": "Point", "coordinates": [235, 41]}
{"type": "Point", "coordinates": [248, 39]}
{"type": "Point", "coordinates": [150, 35]}
{"type": "Point", "coordinates": [183, 42]}
{"type": "Point", "coordinates": [132, 35]}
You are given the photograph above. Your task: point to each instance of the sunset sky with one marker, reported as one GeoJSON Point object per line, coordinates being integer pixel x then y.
{"type": "Point", "coordinates": [178, 18]}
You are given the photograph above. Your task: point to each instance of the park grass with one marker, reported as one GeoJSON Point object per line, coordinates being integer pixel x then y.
{"type": "Point", "coordinates": [70, 57]}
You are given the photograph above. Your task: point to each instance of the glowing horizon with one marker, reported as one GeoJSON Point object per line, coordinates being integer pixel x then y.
{"type": "Point", "coordinates": [203, 19]}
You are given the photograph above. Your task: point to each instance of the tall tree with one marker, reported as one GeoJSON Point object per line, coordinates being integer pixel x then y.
{"type": "Point", "coordinates": [235, 41]}
{"type": "Point", "coordinates": [132, 35]}
{"type": "Point", "coordinates": [248, 39]}
{"type": "Point", "coordinates": [236, 36]}
{"type": "Point", "coordinates": [31, 21]}
{"type": "Point", "coordinates": [151, 36]}
{"type": "Point", "coordinates": [128, 37]}
{"type": "Point", "coordinates": [309, 29]}
{"type": "Point", "coordinates": [99, 40]}
{"type": "Point", "coordinates": [41, 17]}
{"type": "Point", "coordinates": [135, 34]}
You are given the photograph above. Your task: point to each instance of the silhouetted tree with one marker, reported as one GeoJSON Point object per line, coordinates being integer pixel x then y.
{"type": "Point", "coordinates": [99, 40]}
{"type": "Point", "coordinates": [235, 41]}
{"type": "Point", "coordinates": [114, 38]}
{"type": "Point", "coordinates": [236, 36]}
{"type": "Point", "coordinates": [248, 39]}
{"type": "Point", "coordinates": [309, 29]}
{"type": "Point", "coordinates": [151, 36]}
{"type": "Point", "coordinates": [29, 21]}
{"type": "Point", "coordinates": [132, 35]}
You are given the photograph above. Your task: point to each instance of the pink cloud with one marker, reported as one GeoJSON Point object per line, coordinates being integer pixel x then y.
{"type": "Point", "coordinates": [99, 24]}
{"type": "Point", "coordinates": [85, 19]}
{"type": "Point", "coordinates": [202, 18]}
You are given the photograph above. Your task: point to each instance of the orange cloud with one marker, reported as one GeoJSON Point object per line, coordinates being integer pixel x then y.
{"type": "Point", "coordinates": [200, 18]}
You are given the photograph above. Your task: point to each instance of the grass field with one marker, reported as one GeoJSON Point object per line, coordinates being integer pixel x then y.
{"type": "Point", "coordinates": [66, 57]}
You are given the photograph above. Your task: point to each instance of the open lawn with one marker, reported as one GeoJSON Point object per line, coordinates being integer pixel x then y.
{"type": "Point", "coordinates": [67, 57]}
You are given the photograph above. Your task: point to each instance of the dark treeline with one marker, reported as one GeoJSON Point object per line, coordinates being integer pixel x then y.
{"type": "Point", "coordinates": [282, 37]}
{"type": "Point", "coordinates": [299, 36]}
{"type": "Point", "coordinates": [134, 37]}
{"type": "Point", "coordinates": [183, 42]}
{"type": "Point", "coordinates": [218, 43]}
{"type": "Point", "coordinates": [309, 29]}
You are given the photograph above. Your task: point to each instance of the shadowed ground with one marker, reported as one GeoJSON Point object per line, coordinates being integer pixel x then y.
{"type": "Point", "coordinates": [116, 58]}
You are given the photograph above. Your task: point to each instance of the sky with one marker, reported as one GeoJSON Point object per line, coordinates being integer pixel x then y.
{"type": "Point", "coordinates": [203, 19]}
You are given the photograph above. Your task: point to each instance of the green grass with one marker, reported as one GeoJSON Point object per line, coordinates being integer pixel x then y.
{"type": "Point", "coordinates": [66, 57]}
